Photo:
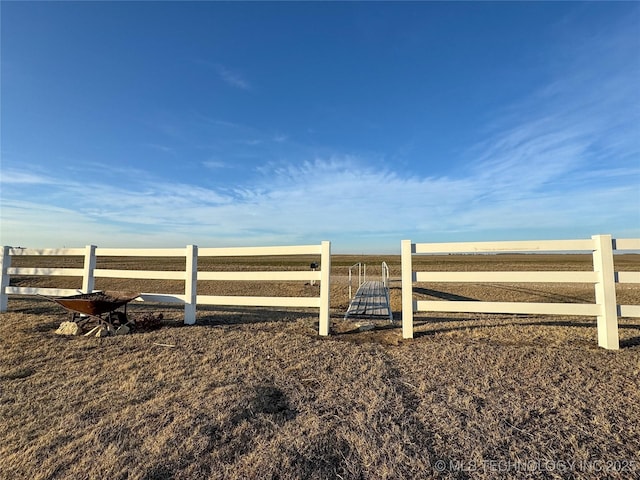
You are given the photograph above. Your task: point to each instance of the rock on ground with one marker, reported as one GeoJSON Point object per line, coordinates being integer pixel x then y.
{"type": "Point", "coordinates": [69, 328]}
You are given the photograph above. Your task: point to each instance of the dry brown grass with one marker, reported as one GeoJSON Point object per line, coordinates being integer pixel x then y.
{"type": "Point", "coordinates": [255, 393]}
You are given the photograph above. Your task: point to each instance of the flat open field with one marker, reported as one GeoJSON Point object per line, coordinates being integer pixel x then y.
{"type": "Point", "coordinates": [256, 393]}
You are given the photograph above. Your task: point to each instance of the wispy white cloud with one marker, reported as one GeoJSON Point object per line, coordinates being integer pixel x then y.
{"type": "Point", "coordinates": [562, 162]}
{"type": "Point", "coordinates": [215, 164]}
{"type": "Point", "coordinates": [232, 78]}
{"type": "Point", "coordinates": [160, 148]}
{"type": "Point", "coordinates": [15, 176]}
{"type": "Point", "coordinates": [574, 140]}
{"type": "Point", "coordinates": [318, 199]}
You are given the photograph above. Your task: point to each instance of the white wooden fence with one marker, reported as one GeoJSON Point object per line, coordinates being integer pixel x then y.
{"type": "Point", "coordinates": [603, 277]}
{"type": "Point", "coordinates": [190, 275]}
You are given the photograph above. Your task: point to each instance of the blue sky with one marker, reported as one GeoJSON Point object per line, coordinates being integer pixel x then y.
{"type": "Point", "coordinates": [153, 124]}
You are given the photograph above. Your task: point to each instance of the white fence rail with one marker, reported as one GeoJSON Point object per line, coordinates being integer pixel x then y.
{"type": "Point", "coordinates": [190, 275]}
{"type": "Point", "coordinates": [603, 277]}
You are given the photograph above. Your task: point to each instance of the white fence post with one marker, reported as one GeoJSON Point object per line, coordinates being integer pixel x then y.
{"type": "Point", "coordinates": [325, 275]}
{"type": "Point", "coordinates": [88, 279]}
{"type": "Point", "coordinates": [606, 292]}
{"type": "Point", "coordinates": [5, 263]}
{"type": "Point", "coordinates": [407, 289]}
{"type": "Point", "coordinates": [190, 285]}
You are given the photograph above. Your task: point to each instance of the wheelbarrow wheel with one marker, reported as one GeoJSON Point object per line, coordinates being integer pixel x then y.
{"type": "Point", "coordinates": [117, 319]}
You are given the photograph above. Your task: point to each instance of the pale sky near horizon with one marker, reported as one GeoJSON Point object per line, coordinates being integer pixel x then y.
{"type": "Point", "coordinates": [162, 124]}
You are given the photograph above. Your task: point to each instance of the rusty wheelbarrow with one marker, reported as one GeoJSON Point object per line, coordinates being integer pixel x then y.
{"type": "Point", "coordinates": [100, 306]}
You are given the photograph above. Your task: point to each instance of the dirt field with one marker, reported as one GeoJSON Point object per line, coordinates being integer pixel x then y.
{"type": "Point", "coordinates": [255, 393]}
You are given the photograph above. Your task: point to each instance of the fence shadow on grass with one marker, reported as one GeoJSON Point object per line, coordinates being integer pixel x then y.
{"type": "Point", "coordinates": [581, 323]}
{"type": "Point", "coordinates": [249, 315]}
{"type": "Point", "coordinates": [630, 342]}
{"type": "Point", "coordinates": [443, 295]}
{"type": "Point", "coordinates": [490, 323]}
{"type": "Point", "coordinates": [557, 297]}
{"type": "Point", "coordinates": [378, 328]}
{"type": "Point", "coordinates": [35, 305]}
